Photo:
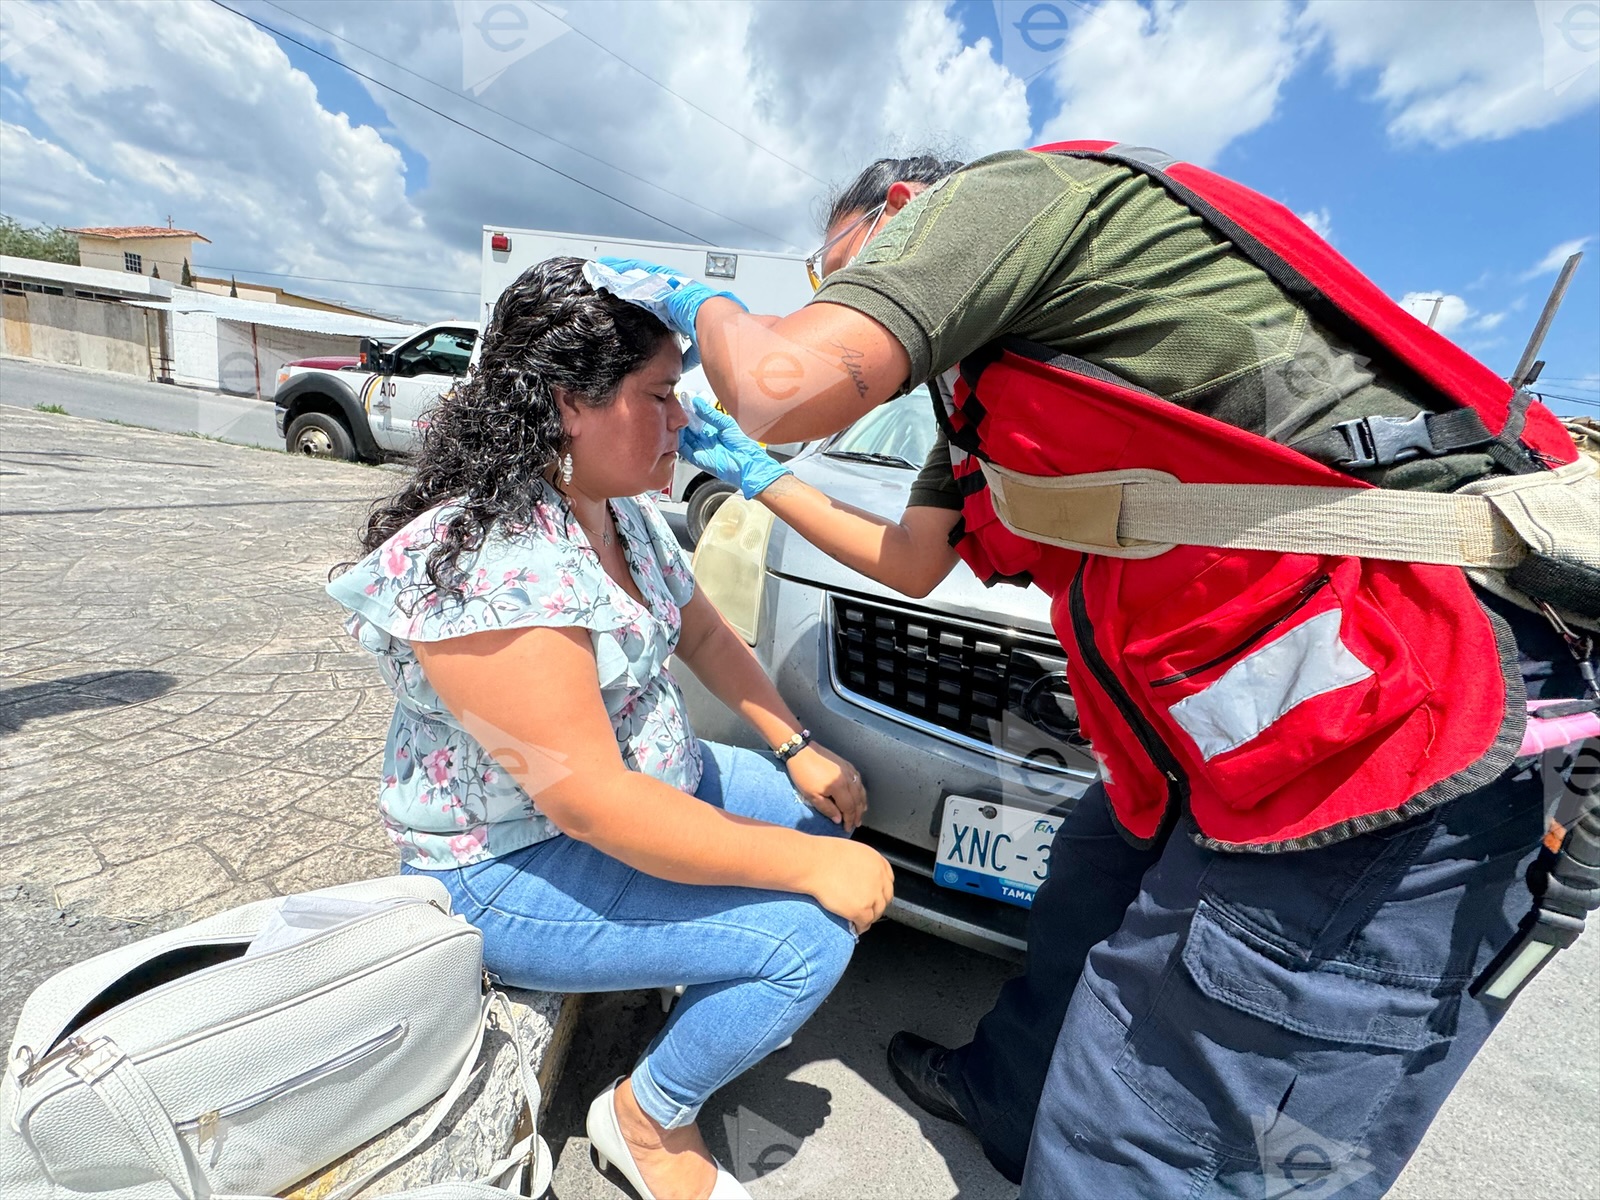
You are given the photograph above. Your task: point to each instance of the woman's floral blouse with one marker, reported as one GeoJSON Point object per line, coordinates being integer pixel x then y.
{"type": "Point", "coordinates": [445, 800]}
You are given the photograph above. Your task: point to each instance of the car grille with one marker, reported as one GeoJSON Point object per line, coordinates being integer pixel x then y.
{"type": "Point", "coordinates": [985, 684]}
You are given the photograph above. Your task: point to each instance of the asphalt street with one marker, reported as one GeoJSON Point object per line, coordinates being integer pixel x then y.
{"type": "Point", "coordinates": [107, 397]}
{"type": "Point", "coordinates": [124, 799]}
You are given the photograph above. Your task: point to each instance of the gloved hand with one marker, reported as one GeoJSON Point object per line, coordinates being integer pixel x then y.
{"type": "Point", "coordinates": [678, 304]}
{"type": "Point", "coordinates": [721, 447]}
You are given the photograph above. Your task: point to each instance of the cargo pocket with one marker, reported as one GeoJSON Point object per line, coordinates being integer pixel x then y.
{"type": "Point", "coordinates": [1242, 1048]}
{"type": "Point", "coordinates": [1284, 674]}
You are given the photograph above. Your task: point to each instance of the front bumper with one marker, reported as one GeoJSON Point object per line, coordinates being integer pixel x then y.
{"type": "Point", "coordinates": [280, 417]}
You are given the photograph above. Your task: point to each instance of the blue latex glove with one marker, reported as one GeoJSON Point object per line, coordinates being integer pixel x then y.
{"type": "Point", "coordinates": [678, 307]}
{"type": "Point", "coordinates": [728, 452]}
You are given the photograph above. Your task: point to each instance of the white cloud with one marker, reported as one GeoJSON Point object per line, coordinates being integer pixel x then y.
{"type": "Point", "coordinates": [1453, 310]}
{"type": "Point", "coordinates": [1320, 221]}
{"type": "Point", "coordinates": [1456, 316]}
{"type": "Point", "coordinates": [43, 181]}
{"type": "Point", "coordinates": [1558, 256]}
{"type": "Point", "coordinates": [1186, 77]}
{"type": "Point", "coordinates": [1450, 73]}
{"type": "Point", "coordinates": [150, 109]}
{"type": "Point", "coordinates": [128, 112]}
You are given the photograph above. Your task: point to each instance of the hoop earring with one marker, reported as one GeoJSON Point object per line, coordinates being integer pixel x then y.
{"type": "Point", "coordinates": [566, 469]}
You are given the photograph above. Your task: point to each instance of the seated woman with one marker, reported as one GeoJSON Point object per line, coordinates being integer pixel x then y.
{"type": "Point", "coordinates": [522, 594]}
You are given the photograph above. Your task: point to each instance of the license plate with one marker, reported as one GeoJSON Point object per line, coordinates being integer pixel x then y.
{"type": "Point", "coordinates": [993, 850]}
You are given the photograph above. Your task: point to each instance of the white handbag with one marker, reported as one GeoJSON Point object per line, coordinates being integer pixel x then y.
{"type": "Point", "coordinates": [181, 1066]}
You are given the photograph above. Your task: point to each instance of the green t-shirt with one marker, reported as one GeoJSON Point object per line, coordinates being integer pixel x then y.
{"type": "Point", "coordinates": [1099, 261]}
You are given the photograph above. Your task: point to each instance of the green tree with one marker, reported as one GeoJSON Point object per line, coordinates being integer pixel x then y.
{"type": "Point", "coordinates": [155, 272]}
{"type": "Point", "coordinates": [188, 279]}
{"type": "Point", "coordinates": [233, 286]}
{"type": "Point", "coordinates": [44, 242]}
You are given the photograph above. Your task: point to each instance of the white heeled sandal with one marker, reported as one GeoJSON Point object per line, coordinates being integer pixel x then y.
{"type": "Point", "coordinates": [611, 1148]}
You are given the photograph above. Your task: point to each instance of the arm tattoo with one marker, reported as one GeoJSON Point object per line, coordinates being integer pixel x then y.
{"type": "Point", "coordinates": [851, 361]}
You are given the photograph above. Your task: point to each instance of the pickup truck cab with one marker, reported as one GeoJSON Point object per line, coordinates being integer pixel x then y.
{"type": "Point", "coordinates": [372, 410]}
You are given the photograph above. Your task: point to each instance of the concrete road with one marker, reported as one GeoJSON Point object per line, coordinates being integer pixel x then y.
{"type": "Point", "coordinates": [108, 397]}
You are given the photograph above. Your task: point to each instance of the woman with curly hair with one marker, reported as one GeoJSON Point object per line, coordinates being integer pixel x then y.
{"type": "Point", "coordinates": [522, 594]}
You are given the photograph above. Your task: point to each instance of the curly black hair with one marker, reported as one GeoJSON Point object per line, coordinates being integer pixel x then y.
{"type": "Point", "coordinates": [488, 443]}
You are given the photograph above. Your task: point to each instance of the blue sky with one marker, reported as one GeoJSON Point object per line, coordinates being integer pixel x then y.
{"type": "Point", "coordinates": [1424, 135]}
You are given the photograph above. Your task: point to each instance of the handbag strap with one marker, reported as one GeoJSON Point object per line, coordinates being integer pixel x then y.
{"type": "Point", "coordinates": [480, 1190]}
{"type": "Point", "coordinates": [113, 1079]}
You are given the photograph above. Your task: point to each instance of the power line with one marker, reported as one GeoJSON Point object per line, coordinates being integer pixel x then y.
{"type": "Point", "coordinates": [523, 125]}
{"type": "Point", "coordinates": [706, 112]}
{"type": "Point", "coordinates": [462, 124]}
{"type": "Point", "coordinates": [1570, 399]}
{"type": "Point", "coordinates": [404, 287]}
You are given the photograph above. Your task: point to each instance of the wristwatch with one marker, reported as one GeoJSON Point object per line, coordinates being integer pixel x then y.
{"type": "Point", "coordinates": [793, 746]}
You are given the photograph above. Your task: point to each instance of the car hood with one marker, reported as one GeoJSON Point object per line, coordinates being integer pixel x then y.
{"type": "Point", "coordinates": [884, 491]}
{"type": "Point", "coordinates": [330, 362]}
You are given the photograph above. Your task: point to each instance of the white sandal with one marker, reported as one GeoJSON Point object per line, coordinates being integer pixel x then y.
{"type": "Point", "coordinates": [610, 1147]}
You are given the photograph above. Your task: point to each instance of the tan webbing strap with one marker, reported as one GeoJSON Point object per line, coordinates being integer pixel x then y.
{"type": "Point", "coordinates": [1139, 514]}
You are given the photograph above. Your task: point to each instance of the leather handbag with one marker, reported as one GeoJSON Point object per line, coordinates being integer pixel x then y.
{"type": "Point", "coordinates": [184, 1065]}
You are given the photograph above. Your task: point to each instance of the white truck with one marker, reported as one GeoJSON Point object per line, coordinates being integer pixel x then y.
{"type": "Point", "coordinates": [367, 409]}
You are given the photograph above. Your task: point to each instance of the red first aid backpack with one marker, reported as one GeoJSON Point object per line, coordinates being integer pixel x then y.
{"type": "Point", "coordinates": [1285, 700]}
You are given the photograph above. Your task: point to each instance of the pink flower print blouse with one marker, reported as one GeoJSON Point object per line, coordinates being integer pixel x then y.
{"type": "Point", "coordinates": [443, 798]}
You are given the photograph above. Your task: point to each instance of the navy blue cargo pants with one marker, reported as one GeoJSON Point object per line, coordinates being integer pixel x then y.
{"type": "Point", "coordinates": [1193, 1023]}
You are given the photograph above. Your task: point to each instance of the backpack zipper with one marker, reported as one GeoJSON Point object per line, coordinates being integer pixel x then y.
{"type": "Point", "coordinates": [1083, 633]}
{"type": "Point", "coordinates": [1303, 599]}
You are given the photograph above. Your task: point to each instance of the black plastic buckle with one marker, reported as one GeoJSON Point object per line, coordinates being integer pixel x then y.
{"type": "Point", "coordinates": [1384, 441]}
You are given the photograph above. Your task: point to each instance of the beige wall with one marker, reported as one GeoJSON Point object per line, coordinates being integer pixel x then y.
{"type": "Point", "coordinates": [246, 291]}
{"type": "Point", "coordinates": [84, 333]}
{"type": "Point", "coordinates": [167, 253]}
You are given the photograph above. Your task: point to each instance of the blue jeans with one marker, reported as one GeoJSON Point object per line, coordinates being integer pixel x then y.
{"type": "Point", "coordinates": [1194, 1023]}
{"type": "Point", "coordinates": [561, 916]}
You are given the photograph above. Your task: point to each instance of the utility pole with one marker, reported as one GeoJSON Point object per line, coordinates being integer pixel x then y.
{"type": "Point", "coordinates": [1527, 367]}
{"type": "Point", "coordinates": [1434, 315]}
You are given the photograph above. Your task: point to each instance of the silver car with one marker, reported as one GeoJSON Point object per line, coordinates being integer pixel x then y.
{"type": "Point", "coordinates": [954, 707]}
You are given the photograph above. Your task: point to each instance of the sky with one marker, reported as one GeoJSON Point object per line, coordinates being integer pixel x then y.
{"type": "Point", "coordinates": [1450, 150]}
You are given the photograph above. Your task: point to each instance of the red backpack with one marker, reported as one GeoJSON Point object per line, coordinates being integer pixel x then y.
{"type": "Point", "coordinates": [1284, 699]}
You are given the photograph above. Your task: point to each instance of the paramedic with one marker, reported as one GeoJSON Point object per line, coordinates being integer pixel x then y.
{"type": "Point", "coordinates": [1236, 955]}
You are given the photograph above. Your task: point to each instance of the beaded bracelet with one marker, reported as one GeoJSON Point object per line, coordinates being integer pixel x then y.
{"type": "Point", "coordinates": [793, 746]}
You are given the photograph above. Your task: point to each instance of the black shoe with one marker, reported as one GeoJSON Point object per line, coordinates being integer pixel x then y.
{"type": "Point", "coordinates": [919, 1067]}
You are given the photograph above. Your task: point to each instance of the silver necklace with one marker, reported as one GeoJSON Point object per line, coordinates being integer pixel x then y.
{"type": "Point", "coordinates": [605, 532]}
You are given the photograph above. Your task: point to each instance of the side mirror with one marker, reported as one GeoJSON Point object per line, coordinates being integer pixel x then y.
{"type": "Point", "coordinates": [374, 357]}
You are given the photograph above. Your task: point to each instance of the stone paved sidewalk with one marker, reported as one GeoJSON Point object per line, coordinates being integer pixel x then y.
{"type": "Point", "coordinates": [184, 725]}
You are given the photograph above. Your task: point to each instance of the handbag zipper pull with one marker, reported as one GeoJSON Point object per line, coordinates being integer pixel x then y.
{"type": "Point", "coordinates": [72, 1047]}
{"type": "Point", "coordinates": [207, 1127]}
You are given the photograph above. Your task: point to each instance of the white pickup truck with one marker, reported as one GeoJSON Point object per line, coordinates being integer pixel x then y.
{"type": "Point", "coordinates": [366, 409]}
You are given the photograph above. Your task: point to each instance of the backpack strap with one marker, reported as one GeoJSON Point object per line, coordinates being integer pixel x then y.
{"type": "Point", "coordinates": [1383, 441]}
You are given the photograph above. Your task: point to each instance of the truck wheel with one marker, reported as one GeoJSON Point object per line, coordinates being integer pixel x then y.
{"type": "Point", "coordinates": [317, 435]}
{"type": "Point", "coordinates": [703, 504]}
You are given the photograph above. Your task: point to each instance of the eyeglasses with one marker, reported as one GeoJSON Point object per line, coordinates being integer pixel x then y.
{"type": "Point", "coordinates": [814, 259]}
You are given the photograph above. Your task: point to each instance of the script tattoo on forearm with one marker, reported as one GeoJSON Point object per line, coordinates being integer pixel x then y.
{"type": "Point", "coordinates": [851, 361]}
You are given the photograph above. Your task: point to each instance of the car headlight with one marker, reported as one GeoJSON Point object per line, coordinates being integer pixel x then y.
{"type": "Point", "coordinates": [283, 377]}
{"type": "Point", "coordinates": [731, 561]}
